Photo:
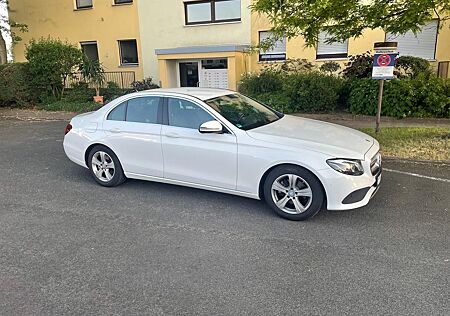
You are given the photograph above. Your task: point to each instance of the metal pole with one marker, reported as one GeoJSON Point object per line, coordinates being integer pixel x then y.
{"type": "Point", "coordinates": [380, 101]}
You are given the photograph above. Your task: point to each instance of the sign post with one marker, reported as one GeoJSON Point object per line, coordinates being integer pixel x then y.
{"type": "Point", "coordinates": [383, 69]}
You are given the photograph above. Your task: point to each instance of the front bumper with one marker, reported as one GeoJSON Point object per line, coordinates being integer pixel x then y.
{"type": "Point", "coordinates": [346, 192]}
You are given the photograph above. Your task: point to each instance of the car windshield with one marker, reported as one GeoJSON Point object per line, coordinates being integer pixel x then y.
{"type": "Point", "coordinates": [243, 112]}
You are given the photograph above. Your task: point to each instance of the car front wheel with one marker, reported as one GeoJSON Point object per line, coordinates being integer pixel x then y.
{"type": "Point", "coordinates": [293, 192]}
{"type": "Point", "coordinates": [105, 167]}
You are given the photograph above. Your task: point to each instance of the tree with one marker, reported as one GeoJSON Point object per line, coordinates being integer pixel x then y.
{"type": "Point", "coordinates": [343, 19]}
{"type": "Point", "coordinates": [50, 63]}
{"type": "Point", "coordinates": [5, 30]}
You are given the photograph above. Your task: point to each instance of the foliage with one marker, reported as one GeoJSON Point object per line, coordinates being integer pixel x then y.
{"type": "Point", "coordinates": [112, 91]}
{"type": "Point", "coordinates": [276, 100]}
{"type": "Point", "coordinates": [359, 66]}
{"type": "Point", "coordinates": [424, 143]}
{"type": "Point", "coordinates": [410, 66]}
{"type": "Point", "coordinates": [267, 80]}
{"type": "Point", "coordinates": [14, 83]}
{"type": "Point", "coordinates": [343, 19]}
{"type": "Point", "coordinates": [145, 84]}
{"type": "Point", "coordinates": [50, 63]}
{"type": "Point", "coordinates": [308, 91]}
{"type": "Point", "coordinates": [313, 92]}
{"type": "Point", "coordinates": [79, 92]}
{"type": "Point", "coordinates": [291, 65]}
{"type": "Point", "coordinates": [82, 93]}
{"type": "Point", "coordinates": [330, 67]}
{"type": "Point", "coordinates": [423, 96]}
{"type": "Point", "coordinates": [93, 73]}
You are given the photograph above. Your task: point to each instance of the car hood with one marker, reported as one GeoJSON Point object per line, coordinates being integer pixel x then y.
{"type": "Point", "coordinates": [327, 138]}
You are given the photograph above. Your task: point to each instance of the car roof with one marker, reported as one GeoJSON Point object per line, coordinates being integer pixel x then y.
{"type": "Point", "coordinates": [199, 93]}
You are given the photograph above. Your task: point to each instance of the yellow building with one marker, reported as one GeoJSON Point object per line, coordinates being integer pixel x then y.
{"type": "Point", "coordinates": [107, 30]}
{"type": "Point", "coordinates": [433, 44]}
{"type": "Point", "coordinates": [194, 42]}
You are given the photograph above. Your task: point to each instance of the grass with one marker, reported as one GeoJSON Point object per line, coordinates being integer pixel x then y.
{"type": "Point", "coordinates": [421, 143]}
{"type": "Point", "coordinates": [70, 106]}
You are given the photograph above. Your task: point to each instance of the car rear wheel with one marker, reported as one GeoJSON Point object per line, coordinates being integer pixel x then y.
{"type": "Point", "coordinates": [293, 192]}
{"type": "Point", "coordinates": [105, 167]}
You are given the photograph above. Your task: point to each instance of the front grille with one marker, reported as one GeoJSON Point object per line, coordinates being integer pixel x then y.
{"type": "Point", "coordinates": [375, 164]}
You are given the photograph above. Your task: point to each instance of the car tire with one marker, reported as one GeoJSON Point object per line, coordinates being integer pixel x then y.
{"type": "Point", "coordinates": [297, 191]}
{"type": "Point", "coordinates": [105, 167]}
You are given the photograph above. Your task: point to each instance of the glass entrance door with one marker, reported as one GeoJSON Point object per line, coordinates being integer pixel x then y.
{"type": "Point", "coordinates": [189, 76]}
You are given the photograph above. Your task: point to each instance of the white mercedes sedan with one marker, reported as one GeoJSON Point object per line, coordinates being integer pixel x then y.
{"type": "Point", "coordinates": [223, 141]}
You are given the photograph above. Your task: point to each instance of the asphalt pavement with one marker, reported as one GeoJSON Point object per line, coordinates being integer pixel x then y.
{"type": "Point", "coordinates": [71, 247]}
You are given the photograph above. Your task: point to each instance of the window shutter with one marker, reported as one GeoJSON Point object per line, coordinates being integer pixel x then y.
{"type": "Point", "coordinates": [333, 50]}
{"type": "Point", "coordinates": [422, 44]}
{"type": "Point", "coordinates": [280, 45]}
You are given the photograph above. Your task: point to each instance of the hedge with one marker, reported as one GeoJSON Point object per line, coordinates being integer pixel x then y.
{"type": "Point", "coordinates": [422, 95]}
{"type": "Point", "coordinates": [14, 85]}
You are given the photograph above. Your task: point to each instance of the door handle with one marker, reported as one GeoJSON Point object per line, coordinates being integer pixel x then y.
{"type": "Point", "coordinates": [115, 130]}
{"type": "Point", "coordinates": [172, 135]}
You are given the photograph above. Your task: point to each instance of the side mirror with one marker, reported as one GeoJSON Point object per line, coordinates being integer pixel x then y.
{"type": "Point", "coordinates": [211, 127]}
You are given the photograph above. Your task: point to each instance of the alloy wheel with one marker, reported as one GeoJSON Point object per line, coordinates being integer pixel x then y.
{"type": "Point", "coordinates": [291, 194]}
{"type": "Point", "coordinates": [103, 166]}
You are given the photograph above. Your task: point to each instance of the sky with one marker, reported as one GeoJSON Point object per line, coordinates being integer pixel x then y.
{"type": "Point", "coordinates": [4, 12]}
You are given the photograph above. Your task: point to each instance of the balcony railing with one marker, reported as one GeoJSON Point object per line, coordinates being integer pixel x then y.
{"type": "Point", "coordinates": [123, 79]}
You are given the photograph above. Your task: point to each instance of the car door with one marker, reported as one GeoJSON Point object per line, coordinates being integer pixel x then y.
{"type": "Point", "coordinates": [133, 131]}
{"type": "Point", "coordinates": [191, 156]}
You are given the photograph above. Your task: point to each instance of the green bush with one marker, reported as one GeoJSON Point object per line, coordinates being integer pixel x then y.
{"type": "Point", "coordinates": [79, 92]}
{"type": "Point", "coordinates": [276, 100]}
{"type": "Point", "coordinates": [410, 66]}
{"type": "Point", "coordinates": [50, 63]}
{"type": "Point", "coordinates": [144, 84]}
{"type": "Point", "coordinates": [423, 96]}
{"type": "Point", "coordinates": [313, 92]}
{"type": "Point", "coordinates": [359, 66]}
{"type": "Point", "coordinates": [14, 83]}
{"type": "Point", "coordinates": [112, 91]}
{"type": "Point", "coordinates": [330, 67]}
{"type": "Point", "coordinates": [267, 80]}
{"type": "Point", "coordinates": [431, 96]}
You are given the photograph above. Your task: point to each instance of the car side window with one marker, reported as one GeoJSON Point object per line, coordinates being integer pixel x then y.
{"type": "Point", "coordinates": [143, 110]}
{"type": "Point", "coordinates": [118, 114]}
{"type": "Point", "coordinates": [186, 114]}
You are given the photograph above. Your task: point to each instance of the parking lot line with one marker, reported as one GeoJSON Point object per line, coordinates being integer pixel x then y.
{"type": "Point", "coordinates": [417, 175]}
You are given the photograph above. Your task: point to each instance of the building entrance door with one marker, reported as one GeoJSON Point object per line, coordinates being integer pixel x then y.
{"type": "Point", "coordinates": [189, 76]}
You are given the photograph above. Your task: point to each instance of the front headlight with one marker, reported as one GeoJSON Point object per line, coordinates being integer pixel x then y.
{"type": "Point", "coordinates": [347, 166]}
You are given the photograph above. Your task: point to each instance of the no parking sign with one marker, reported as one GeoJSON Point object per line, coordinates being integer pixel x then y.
{"type": "Point", "coordinates": [384, 61]}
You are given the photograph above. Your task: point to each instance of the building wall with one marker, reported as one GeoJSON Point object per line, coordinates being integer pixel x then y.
{"type": "Point", "coordinates": [105, 23]}
{"type": "Point", "coordinates": [162, 25]}
{"type": "Point", "coordinates": [295, 47]}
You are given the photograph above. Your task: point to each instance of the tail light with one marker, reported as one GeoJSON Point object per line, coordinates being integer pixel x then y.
{"type": "Point", "coordinates": [67, 129]}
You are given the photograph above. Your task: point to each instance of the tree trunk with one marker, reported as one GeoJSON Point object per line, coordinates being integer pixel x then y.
{"type": "Point", "coordinates": [3, 50]}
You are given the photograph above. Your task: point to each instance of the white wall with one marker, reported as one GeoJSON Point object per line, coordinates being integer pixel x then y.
{"type": "Point", "coordinates": [162, 25]}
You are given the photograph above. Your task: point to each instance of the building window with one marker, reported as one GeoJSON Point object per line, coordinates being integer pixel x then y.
{"type": "Point", "coordinates": [277, 52]}
{"type": "Point", "coordinates": [84, 4]}
{"type": "Point", "coordinates": [90, 50]}
{"type": "Point", "coordinates": [212, 11]}
{"type": "Point", "coordinates": [332, 50]}
{"type": "Point", "coordinates": [123, 1]}
{"type": "Point", "coordinates": [422, 44]}
{"type": "Point", "coordinates": [128, 52]}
